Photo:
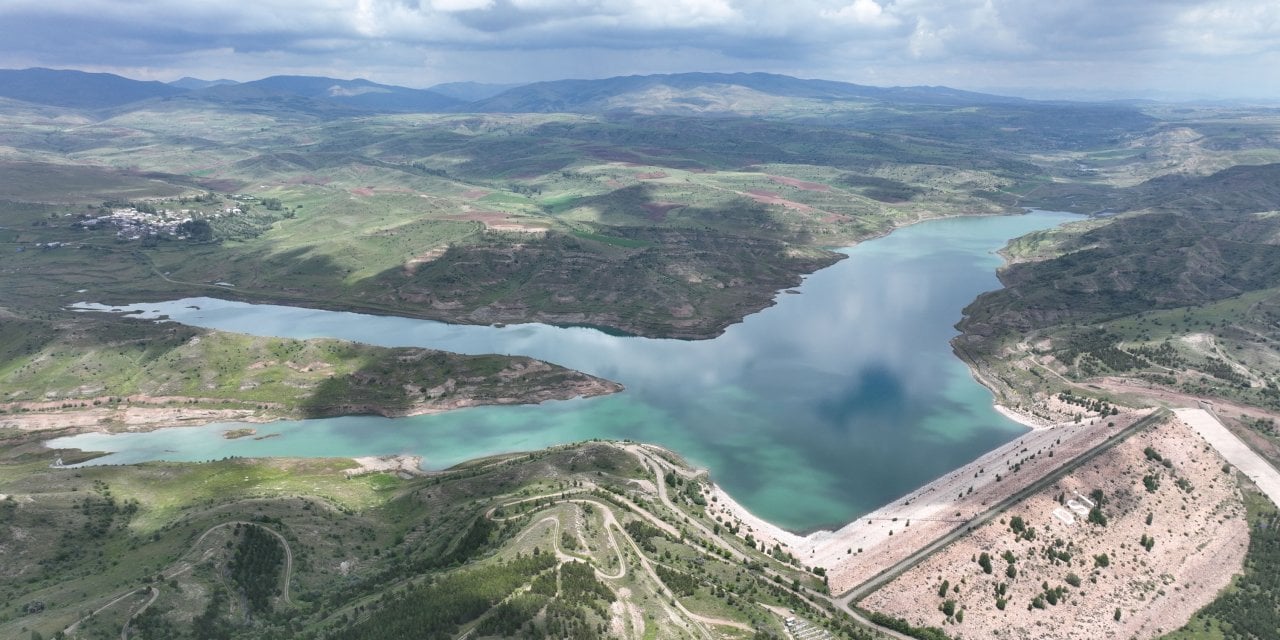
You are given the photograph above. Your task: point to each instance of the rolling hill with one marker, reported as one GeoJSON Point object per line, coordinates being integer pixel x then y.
{"type": "Point", "coordinates": [358, 94]}
{"type": "Point", "coordinates": [192, 84]}
{"type": "Point", "coordinates": [77, 89]}
{"type": "Point", "coordinates": [696, 92]}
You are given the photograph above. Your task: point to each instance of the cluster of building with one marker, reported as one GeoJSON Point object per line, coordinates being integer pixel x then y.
{"type": "Point", "coordinates": [132, 224]}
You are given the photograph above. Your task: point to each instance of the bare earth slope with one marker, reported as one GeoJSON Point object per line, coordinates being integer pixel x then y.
{"type": "Point", "coordinates": [1197, 539]}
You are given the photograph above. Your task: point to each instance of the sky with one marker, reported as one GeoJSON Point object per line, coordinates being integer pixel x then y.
{"type": "Point", "coordinates": [1042, 48]}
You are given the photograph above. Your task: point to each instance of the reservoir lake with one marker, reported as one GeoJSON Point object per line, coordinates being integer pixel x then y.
{"type": "Point", "coordinates": [809, 413]}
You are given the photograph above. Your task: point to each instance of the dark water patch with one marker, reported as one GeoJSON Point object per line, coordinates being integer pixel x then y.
{"type": "Point", "coordinates": [811, 412]}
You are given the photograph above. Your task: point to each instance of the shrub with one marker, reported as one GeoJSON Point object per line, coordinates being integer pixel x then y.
{"type": "Point", "coordinates": [948, 608]}
{"type": "Point", "coordinates": [1017, 525]}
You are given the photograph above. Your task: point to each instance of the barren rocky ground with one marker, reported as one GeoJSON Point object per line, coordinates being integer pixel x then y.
{"type": "Point", "coordinates": [1164, 486]}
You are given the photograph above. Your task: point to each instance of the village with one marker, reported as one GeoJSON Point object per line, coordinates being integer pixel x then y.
{"type": "Point", "coordinates": [136, 224]}
{"type": "Point", "coordinates": [144, 220]}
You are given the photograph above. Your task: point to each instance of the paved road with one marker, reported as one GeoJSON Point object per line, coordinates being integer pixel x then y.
{"type": "Point", "coordinates": [1234, 450]}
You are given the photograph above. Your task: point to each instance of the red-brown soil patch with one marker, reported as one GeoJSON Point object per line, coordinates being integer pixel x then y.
{"type": "Point", "coordinates": [364, 192]}
{"type": "Point", "coordinates": [769, 197]}
{"type": "Point", "coordinates": [800, 184]}
{"type": "Point", "coordinates": [652, 175]}
{"type": "Point", "coordinates": [498, 221]}
{"type": "Point", "coordinates": [475, 194]}
{"type": "Point", "coordinates": [658, 210]}
{"type": "Point", "coordinates": [481, 216]}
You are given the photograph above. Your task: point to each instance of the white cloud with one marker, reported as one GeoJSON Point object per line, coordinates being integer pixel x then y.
{"type": "Point", "coordinates": [1196, 42]}
{"type": "Point", "coordinates": [460, 5]}
{"type": "Point", "coordinates": [1231, 27]}
{"type": "Point", "coordinates": [862, 12]}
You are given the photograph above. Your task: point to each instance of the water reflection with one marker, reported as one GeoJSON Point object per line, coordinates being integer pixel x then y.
{"type": "Point", "coordinates": [818, 409]}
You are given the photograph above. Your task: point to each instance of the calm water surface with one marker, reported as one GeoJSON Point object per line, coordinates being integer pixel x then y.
{"type": "Point", "coordinates": [810, 413]}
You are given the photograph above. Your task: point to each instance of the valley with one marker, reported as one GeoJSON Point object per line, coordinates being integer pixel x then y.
{"type": "Point", "coordinates": [757, 273]}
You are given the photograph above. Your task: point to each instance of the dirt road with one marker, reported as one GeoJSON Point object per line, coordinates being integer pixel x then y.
{"type": "Point", "coordinates": [1234, 450]}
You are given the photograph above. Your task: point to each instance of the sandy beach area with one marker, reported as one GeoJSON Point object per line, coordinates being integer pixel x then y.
{"type": "Point", "coordinates": [382, 464]}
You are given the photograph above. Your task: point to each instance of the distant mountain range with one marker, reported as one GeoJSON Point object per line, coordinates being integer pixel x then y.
{"type": "Point", "coordinates": [707, 92]}
{"type": "Point", "coordinates": [77, 89]}
{"type": "Point", "coordinates": [358, 94]}
{"type": "Point", "coordinates": [471, 91]}
{"type": "Point", "coordinates": [684, 93]}
{"type": "Point", "coordinates": [192, 84]}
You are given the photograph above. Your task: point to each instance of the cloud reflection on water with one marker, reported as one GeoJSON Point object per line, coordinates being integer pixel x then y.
{"type": "Point", "coordinates": [845, 396]}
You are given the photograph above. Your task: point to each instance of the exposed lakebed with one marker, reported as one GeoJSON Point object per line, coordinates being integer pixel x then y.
{"type": "Point", "coordinates": [810, 413]}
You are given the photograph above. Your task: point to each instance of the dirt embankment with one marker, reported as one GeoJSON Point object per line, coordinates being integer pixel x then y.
{"type": "Point", "coordinates": [1174, 535]}
{"type": "Point", "coordinates": [890, 534]}
{"type": "Point", "coordinates": [145, 413]}
{"type": "Point", "coordinates": [881, 539]}
{"type": "Point", "coordinates": [133, 413]}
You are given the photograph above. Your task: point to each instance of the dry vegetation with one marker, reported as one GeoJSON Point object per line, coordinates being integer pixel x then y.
{"type": "Point", "coordinates": [1174, 534]}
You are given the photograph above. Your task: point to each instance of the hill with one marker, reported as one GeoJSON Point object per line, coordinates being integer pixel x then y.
{"type": "Point", "coordinates": [97, 91]}
{"type": "Point", "coordinates": [357, 94]}
{"type": "Point", "coordinates": [471, 91]}
{"type": "Point", "coordinates": [707, 92]}
{"type": "Point", "coordinates": [192, 84]}
{"type": "Point", "coordinates": [1239, 189]}
{"type": "Point", "coordinates": [77, 89]}
{"type": "Point", "coordinates": [593, 540]}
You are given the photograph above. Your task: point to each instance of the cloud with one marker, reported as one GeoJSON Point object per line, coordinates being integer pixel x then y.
{"type": "Point", "coordinates": [862, 13]}
{"type": "Point", "coordinates": [888, 41]}
{"type": "Point", "coordinates": [1228, 28]}
{"type": "Point", "coordinates": [460, 5]}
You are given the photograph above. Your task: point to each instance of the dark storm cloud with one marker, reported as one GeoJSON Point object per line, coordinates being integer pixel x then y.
{"type": "Point", "coordinates": [888, 41]}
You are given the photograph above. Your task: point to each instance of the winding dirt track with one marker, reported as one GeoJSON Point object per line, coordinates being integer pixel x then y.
{"type": "Point", "coordinates": [180, 567]}
{"type": "Point", "coordinates": [124, 631]}
{"type": "Point", "coordinates": [656, 464]}
{"type": "Point", "coordinates": [613, 529]}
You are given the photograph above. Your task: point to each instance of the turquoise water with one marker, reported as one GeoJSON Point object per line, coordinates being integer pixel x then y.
{"type": "Point", "coordinates": [810, 413]}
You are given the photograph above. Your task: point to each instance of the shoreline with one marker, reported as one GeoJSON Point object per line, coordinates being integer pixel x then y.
{"type": "Point", "coordinates": [869, 532]}
{"type": "Point", "coordinates": [141, 413]}
{"type": "Point", "coordinates": [1027, 420]}
{"type": "Point", "coordinates": [441, 315]}
{"type": "Point", "coordinates": [879, 539]}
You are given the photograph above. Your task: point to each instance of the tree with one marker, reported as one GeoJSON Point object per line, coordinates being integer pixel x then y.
{"type": "Point", "coordinates": [1097, 517]}
{"type": "Point", "coordinates": [1017, 524]}
{"type": "Point", "coordinates": [196, 230]}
